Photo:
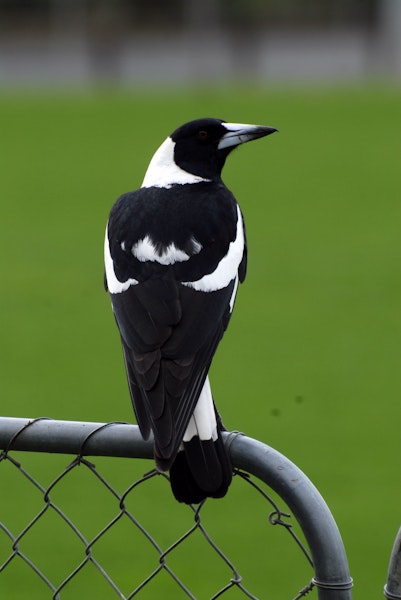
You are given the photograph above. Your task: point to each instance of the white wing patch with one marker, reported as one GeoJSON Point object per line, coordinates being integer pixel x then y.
{"type": "Point", "coordinates": [145, 250]}
{"type": "Point", "coordinates": [162, 171]}
{"type": "Point", "coordinates": [233, 295]}
{"type": "Point", "coordinates": [227, 269]}
{"type": "Point", "coordinates": [114, 285]}
{"type": "Point", "coordinates": [203, 421]}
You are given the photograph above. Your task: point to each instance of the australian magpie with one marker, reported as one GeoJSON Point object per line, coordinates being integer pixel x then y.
{"type": "Point", "coordinates": [175, 250]}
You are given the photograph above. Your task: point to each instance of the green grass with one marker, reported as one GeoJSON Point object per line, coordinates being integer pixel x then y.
{"type": "Point", "coordinates": [310, 364]}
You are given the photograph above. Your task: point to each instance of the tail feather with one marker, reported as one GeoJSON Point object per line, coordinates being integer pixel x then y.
{"type": "Point", "coordinates": [202, 469]}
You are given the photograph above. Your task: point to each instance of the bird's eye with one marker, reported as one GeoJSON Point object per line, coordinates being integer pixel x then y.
{"type": "Point", "coordinates": [202, 135]}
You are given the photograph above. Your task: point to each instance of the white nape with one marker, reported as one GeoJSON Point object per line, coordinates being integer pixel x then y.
{"type": "Point", "coordinates": [227, 269]}
{"type": "Point", "coordinates": [162, 171]}
{"type": "Point", "coordinates": [113, 284]}
{"type": "Point", "coordinates": [203, 421]}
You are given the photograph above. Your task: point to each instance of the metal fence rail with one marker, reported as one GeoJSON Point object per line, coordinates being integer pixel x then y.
{"type": "Point", "coordinates": [331, 577]}
{"type": "Point", "coordinates": [392, 589]}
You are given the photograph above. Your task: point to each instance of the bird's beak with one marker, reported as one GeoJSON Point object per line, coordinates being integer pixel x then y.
{"type": "Point", "coordinates": [239, 133]}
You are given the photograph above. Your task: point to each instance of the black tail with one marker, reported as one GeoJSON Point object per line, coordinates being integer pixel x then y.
{"type": "Point", "coordinates": [201, 470]}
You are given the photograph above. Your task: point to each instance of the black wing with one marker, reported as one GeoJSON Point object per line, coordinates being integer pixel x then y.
{"type": "Point", "coordinates": [169, 330]}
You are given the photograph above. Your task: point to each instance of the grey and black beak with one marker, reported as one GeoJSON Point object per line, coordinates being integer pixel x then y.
{"type": "Point", "coordinates": [239, 133]}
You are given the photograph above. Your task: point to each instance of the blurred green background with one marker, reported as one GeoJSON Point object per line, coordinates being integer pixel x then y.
{"type": "Point", "coordinates": [310, 363]}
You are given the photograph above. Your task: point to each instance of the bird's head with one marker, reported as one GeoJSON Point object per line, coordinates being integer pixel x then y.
{"type": "Point", "coordinates": [197, 151]}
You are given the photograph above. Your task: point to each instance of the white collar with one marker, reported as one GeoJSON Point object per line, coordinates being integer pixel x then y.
{"type": "Point", "coordinates": [164, 173]}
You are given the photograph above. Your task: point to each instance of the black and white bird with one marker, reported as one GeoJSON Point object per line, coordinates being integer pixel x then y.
{"type": "Point", "coordinates": [175, 250]}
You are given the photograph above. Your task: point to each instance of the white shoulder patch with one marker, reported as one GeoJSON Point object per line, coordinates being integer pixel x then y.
{"type": "Point", "coordinates": [164, 173]}
{"type": "Point", "coordinates": [227, 269]}
{"type": "Point", "coordinates": [114, 285]}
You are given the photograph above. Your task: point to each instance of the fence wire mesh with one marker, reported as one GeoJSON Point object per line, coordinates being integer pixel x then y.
{"type": "Point", "coordinates": [74, 526]}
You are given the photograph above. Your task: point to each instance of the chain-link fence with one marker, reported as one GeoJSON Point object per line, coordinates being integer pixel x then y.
{"type": "Point", "coordinates": [72, 529]}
